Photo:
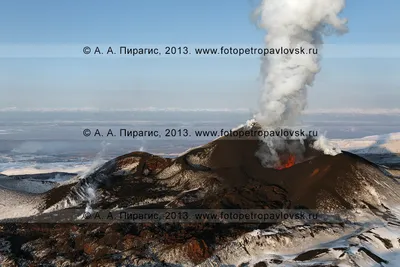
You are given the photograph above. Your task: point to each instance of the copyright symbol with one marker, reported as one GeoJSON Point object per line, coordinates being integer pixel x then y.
{"type": "Point", "coordinates": [87, 50]}
{"type": "Point", "coordinates": [86, 132]}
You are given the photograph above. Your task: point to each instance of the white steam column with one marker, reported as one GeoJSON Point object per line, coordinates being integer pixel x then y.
{"type": "Point", "coordinates": [291, 24]}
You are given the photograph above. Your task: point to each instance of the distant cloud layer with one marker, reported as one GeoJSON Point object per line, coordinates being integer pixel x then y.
{"type": "Point", "coordinates": [376, 111]}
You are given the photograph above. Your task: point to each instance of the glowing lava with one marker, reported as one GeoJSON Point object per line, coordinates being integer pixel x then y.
{"type": "Point", "coordinates": [288, 163]}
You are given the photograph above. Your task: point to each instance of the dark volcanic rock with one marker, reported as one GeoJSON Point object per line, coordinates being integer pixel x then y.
{"type": "Point", "coordinates": [223, 174]}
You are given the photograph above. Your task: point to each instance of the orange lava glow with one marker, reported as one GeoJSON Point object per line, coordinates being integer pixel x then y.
{"type": "Point", "coordinates": [288, 163]}
{"type": "Point", "coordinates": [315, 172]}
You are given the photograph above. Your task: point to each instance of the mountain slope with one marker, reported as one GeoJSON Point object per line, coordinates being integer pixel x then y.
{"type": "Point", "coordinates": [223, 174]}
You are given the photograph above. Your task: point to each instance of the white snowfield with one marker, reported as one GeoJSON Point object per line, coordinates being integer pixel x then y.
{"type": "Point", "coordinates": [375, 144]}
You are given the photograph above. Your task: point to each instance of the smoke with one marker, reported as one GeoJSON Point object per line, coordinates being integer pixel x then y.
{"type": "Point", "coordinates": [323, 144]}
{"type": "Point", "coordinates": [85, 190]}
{"type": "Point", "coordinates": [291, 24]}
{"type": "Point", "coordinates": [97, 161]}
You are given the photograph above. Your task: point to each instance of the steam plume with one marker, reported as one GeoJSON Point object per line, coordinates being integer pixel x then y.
{"type": "Point", "coordinates": [285, 77]}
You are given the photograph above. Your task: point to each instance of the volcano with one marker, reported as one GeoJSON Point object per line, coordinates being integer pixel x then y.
{"type": "Point", "coordinates": [223, 174]}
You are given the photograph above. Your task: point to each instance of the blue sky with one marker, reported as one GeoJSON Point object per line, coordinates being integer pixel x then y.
{"type": "Point", "coordinates": [185, 82]}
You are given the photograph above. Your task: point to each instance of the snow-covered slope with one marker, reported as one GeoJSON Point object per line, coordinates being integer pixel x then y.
{"type": "Point", "coordinates": [376, 144]}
